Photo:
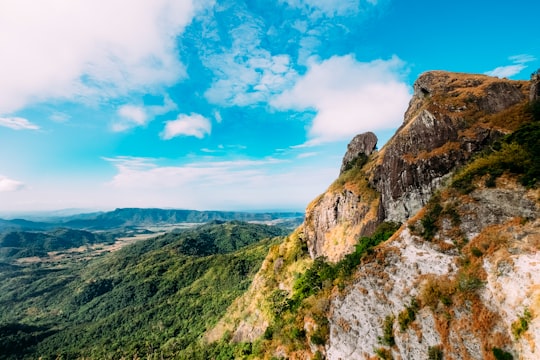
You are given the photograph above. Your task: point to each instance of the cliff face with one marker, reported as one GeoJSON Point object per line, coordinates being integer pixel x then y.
{"type": "Point", "coordinates": [449, 119]}
{"type": "Point", "coordinates": [459, 279]}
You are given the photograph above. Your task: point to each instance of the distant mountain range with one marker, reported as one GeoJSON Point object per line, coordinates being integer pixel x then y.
{"type": "Point", "coordinates": [137, 217]}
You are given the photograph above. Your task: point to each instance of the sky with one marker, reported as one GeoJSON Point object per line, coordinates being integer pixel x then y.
{"type": "Point", "coordinates": [222, 104]}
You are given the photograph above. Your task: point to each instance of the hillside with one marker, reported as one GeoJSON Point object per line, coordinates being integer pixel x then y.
{"type": "Point", "coordinates": [425, 249]}
{"type": "Point", "coordinates": [20, 244]}
{"type": "Point", "coordinates": [457, 280]}
{"type": "Point", "coordinates": [154, 297]}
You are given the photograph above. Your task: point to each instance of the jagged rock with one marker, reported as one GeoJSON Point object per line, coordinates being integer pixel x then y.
{"type": "Point", "coordinates": [441, 130]}
{"type": "Point", "coordinates": [439, 133]}
{"type": "Point", "coordinates": [335, 220]}
{"type": "Point", "coordinates": [534, 93]}
{"type": "Point", "coordinates": [362, 144]}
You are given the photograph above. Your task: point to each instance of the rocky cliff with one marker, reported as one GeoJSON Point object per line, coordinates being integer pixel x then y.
{"type": "Point", "coordinates": [450, 118]}
{"type": "Point", "coordinates": [458, 280]}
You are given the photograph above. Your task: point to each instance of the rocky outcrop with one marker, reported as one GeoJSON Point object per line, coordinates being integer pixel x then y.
{"type": "Point", "coordinates": [534, 94]}
{"type": "Point", "coordinates": [335, 220]}
{"type": "Point", "coordinates": [446, 123]}
{"type": "Point", "coordinates": [464, 315]}
{"type": "Point", "coordinates": [441, 130]}
{"type": "Point", "coordinates": [361, 145]}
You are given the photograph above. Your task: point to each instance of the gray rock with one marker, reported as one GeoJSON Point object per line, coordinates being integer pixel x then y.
{"type": "Point", "coordinates": [362, 144]}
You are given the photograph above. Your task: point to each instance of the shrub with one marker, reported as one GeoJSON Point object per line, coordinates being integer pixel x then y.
{"type": "Point", "coordinates": [408, 315]}
{"type": "Point", "coordinates": [435, 353]}
{"type": "Point", "coordinates": [437, 289]}
{"type": "Point", "coordinates": [521, 324]}
{"type": "Point", "coordinates": [500, 354]}
{"type": "Point", "coordinates": [431, 217]}
{"type": "Point", "coordinates": [383, 354]}
{"type": "Point", "coordinates": [388, 331]}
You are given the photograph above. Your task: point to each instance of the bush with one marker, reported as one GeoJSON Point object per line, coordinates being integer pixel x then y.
{"type": "Point", "coordinates": [408, 315]}
{"type": "Point", "coordinates": [383, 354]}
{"type": "Point", "coordinates": [521, 324]}
{"type": "Point", "coordinates": [431, 217]}
{"type": "Point", "coordinates": [435, 353]}
{"type": "Point", "coordinates": [500, 354]}
{"type": "Point", "coordinates": [388, 331]}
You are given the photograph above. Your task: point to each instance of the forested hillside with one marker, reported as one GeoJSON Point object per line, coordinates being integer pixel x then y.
{"type": "Point", "coordinates": [155, 297]}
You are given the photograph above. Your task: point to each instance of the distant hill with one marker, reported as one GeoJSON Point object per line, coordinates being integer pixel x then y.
{"type": "Point", "coordinates": [129, 217]}
{"type": "Point", "coordinates": [137, 217]}
{"type": "Point", "coordinates": [18, 244]}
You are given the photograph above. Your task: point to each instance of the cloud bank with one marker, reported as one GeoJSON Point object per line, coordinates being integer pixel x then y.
{"type": "Point", "coordinates": [84, 50]}
{"type": "Point", "coordinates": [349, 97]}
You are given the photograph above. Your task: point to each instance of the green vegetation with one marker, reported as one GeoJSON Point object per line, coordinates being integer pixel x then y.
{"type": "Point", "coordinates": [435, 353]}
{"type": "Point", "coordinates": [518, 153]}
{"type": "Point", "coordinates": [521, 325]}
{"type": "Point", "coordinates": [388, 331]}
{"type": "Point", "coordinates": [408, 315]}
{"type": "Point", "coordinates": [152, 299]}
{"type": "Point", "coordinates": [500, 354]}
{"type": "Point", "coordinates": [431, 217]}
{"type": "Point", "coordinates": [19, 244]}
{"type": "Point", "coordinates": [384, 354]}
{"type": "Point", "coordinates": [358, 162]}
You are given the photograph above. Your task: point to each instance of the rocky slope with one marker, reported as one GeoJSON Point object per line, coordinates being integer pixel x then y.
{"type": "Point", "coordinates": [460, 277]}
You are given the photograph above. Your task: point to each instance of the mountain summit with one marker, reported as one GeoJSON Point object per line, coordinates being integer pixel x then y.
{"type": "Point", "coordinates": [457, 279]}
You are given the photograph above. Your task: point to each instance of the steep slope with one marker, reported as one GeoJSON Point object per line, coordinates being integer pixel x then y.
{"type": "Point", "coordinates": [457, 280]}
{"type": "Point", "coordinates": [153, 298]}
{"type": "Point", "coordinates": [450, 118]}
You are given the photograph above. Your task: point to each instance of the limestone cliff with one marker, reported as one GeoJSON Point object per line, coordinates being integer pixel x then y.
{"type": "Point", "coordinates": [450, 118]}
{"type": "Point", "coordinates": [459, 279]}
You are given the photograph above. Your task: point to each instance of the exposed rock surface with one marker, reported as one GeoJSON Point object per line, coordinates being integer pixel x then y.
{"type": "Point", "coordinates": [473, 281]}
{"type": "Point", "coordinates": [474, 320]}
{"type": "Point", "coordinates": [534, 94]}
{"type": "Point", "coordinates": [362, 144]}
{"type": "Point", "coordinates": [446, 123]}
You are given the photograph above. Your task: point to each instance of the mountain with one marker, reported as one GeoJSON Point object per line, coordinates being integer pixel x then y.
{"type": "Point", "coordinates": [19, 244]}
{"type": "Point", "coordinates": [146, 217]}
{"type": "Point", "coordinates": [139, 218]}
{"type": "Point", "coordinates": [153, 297]}
{"type": "Point", "coordinates": [457, 280]}
{"type": "Point", "coordinates": [425, 249]}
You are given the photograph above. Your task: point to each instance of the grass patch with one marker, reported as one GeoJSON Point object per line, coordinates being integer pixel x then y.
{"type": "Point", "coordinates": [521, 325]}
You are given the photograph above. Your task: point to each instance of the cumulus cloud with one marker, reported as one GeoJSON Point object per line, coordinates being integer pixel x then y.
{"type": "Point", "coordinates": [349, 97]}
{"type": "Point", "coordinates": [17, 123]}
{"type": "Point", "coordinates": [130, 116]}
{"type": "Point", "coordinates": [8, 185]}
{"type": "Point", "coordinates": [187, 125]}
{"type": "Point", "coordinates": [519, 64]}
{"type": "Point", "coordinates": [82, 50]}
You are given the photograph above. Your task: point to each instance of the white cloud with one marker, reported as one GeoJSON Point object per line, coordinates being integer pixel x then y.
{"type": "Point", "coordinates": [84, 50]}
{"type": "Point", "coordinates": [187, 125]}
{"type": "Point", "coordinates": [518, 66]}
{"type": "Point", "coordinates": [212, 184]}
{"type": "Point", "coordinates": [349, 97]}
{"type": "Point", "coordinates": [59, 117]}
{"type": "Point", "coordinates": [8, 185]}
{"type": "Point", "coordinates": [17, 123]}
{"type": "Point", "coordinates": [131, 116]}
{"type": "Point", "coordinates": [247, 74]}
{"type": "Point", "coordinates": [330, 8]}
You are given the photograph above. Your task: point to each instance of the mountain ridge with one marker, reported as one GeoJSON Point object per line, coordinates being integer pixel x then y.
{"type": "Point", "coordinates": [458, 182]}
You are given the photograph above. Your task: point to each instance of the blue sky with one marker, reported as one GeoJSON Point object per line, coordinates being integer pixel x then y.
{"type": "Point", "coordinates": [222, 104]}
